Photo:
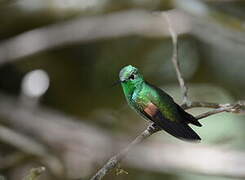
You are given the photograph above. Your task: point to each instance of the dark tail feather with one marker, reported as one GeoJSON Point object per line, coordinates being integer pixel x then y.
{"type": "Point", "coordinates": [188, 117]}
{"type": "Point", "coordinates": [178, 129]}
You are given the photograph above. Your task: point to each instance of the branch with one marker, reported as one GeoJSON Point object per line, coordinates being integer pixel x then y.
{"type": "Point", "coordinates": [201, 104]}
{"type": "Point", "coordinates": [115, 160]}
{"type": "Point", "coordinates": [175, 61]}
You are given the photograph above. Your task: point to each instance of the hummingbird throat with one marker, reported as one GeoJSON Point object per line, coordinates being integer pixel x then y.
{"type": "Point", "coordinates": [129, 88]}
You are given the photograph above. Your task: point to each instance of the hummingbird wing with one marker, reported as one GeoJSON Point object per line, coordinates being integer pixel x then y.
{"type": "Point", "coordinates": [178, 129]}
{"type": "Point", "coordinates": [182, 115]}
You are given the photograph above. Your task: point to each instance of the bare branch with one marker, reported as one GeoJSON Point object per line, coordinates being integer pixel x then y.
{"type": "Point", "coordinates": [233, 108]}
{"type": "Point", "coordinates": [195, 104]}
{"type": "Point", "coordinates": [115, 160]}
{"type": "Point", "coordinates": [175, 61]}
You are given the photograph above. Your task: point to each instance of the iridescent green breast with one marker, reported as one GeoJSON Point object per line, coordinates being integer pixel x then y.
{"type": "Point", "coordinates": [151, 94]}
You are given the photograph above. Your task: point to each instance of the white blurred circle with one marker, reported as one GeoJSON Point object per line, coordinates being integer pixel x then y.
{"type": "Point", "coordinates": [35, 83]}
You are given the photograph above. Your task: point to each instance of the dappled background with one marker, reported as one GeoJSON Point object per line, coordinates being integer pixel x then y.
{"type": "Point", "coordinates": [58, 109]}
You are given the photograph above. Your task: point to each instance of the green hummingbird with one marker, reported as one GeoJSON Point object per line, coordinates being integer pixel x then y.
{"type": "Point", "coordinates": [153, 104]}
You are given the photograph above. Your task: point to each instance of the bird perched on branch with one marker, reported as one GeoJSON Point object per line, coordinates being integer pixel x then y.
{"type": "Point", "coordinates": [155, 105]}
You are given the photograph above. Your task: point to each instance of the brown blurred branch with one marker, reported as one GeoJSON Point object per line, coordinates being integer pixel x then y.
{"type": "Point", "coordinates": [30, 147]}
{"type": "Point", "coordinates": [66, 136]}
{"type": "Point", "coordinates": [120, 24]}
{"type": "Point", "coordinates": [78, 144]}
{"type": "Point", "coordinates": [85, 29]}
{"type": "Point", "coordinates": [21, 142]}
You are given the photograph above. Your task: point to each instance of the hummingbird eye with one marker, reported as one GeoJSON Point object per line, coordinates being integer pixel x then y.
{"type": "Point", "coordinates": [132, 77]}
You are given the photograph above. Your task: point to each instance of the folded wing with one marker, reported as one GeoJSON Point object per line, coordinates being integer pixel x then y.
{"type": "Point", "coordinates": [178, 129]}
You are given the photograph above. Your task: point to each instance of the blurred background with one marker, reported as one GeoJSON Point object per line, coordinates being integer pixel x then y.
{"type": "Point", "coordinates": [58, 109]}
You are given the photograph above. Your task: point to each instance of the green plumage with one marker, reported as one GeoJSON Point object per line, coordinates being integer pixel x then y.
{"type": "Point", "coordinates": [154, 104]}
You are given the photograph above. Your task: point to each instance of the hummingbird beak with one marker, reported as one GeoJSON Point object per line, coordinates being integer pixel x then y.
{"type": "Point", "coordinates": [117, 82]}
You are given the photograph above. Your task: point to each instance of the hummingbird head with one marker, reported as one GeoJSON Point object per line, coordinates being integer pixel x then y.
{"type": "Point", "coordinates": [130, 77]}
{"type": "Point", "coordinates": [130, 74]}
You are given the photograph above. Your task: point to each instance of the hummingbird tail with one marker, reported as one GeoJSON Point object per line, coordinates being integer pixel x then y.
{"type": "Point", "coordinates": [178, 129]}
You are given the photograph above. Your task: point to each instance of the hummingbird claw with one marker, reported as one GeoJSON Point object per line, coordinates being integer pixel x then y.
{"type": "Point", "coordinates": [154, 127]}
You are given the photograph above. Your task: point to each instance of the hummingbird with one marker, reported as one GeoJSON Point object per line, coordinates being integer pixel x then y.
{"type": "Point", "coordinates": [153, 104]}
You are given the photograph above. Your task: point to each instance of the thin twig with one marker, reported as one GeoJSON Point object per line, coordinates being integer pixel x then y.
{"type": "Point", "coordinates": [194, 104]}
{"type": "Point", "coordinates": [175, 61]}
{"type": "Point", "coordinates": [233, 108]}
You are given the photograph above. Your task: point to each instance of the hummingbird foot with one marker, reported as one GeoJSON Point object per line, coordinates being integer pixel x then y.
{"type": "Point", "coordinates": [153, 127]}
